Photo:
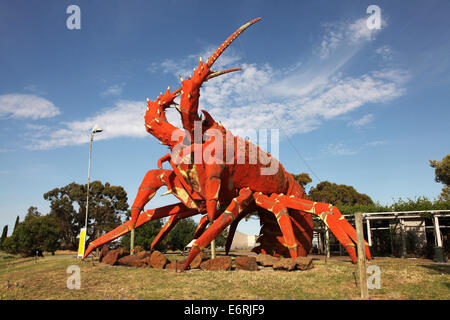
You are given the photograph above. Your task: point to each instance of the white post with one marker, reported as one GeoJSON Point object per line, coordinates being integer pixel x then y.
{"type": "Point", "coordinates": [327, 242]}
{"type": "Point", "coordinates": [369, 234]}
{"type": "Point", "coordinates": [403, 236]}
{"type": "Point", "coordinates": [437, 231]}
{"type": "Point", "coordinates": [213, 249]}
{"type": "Point", "coordinates": [213, 245]}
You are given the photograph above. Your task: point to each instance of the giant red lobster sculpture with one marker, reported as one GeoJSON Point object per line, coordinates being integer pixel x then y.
{"type": "Point", "coordinates": [224, 192]}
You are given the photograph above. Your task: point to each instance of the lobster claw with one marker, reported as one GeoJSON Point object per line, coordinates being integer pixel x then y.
{"type": "Point", "coordinates": [203, 72]}
{"type": "Point", "coordinates": [216, 54]}
{"type": "Point", "coordinates": [213, 74]}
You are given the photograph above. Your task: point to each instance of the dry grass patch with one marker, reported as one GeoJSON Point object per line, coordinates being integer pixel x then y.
{"type": "Point", "coordinates": [47, 279]}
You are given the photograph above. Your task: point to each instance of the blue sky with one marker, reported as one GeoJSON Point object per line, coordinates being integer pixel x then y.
{"type": "Point", "coordinates": [367, 108]}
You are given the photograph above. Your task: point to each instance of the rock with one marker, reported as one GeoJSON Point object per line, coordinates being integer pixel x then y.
{"type": "Point", "coordinates": [123, 252]}
{"type": "Point", "coordinates": [266, 260]}
{"type": "Point", "coordinates": [132, 261]}
{"type": "Point", "coordinates": [158, 260]}
{"type": "Point", "coordinates": [304, 263]}
{"type": "Point", "coordinates": [217, 264]}
{"type": "Point", "coordinates": [138, 249]}
{"type": "Point", "coordinates": [176, 265]}
{"type": "Point", "coordinates": [195, 264]}
{"type": "Point", "coordinates": [143, 254]}
{"type": "Point", "coordinates": [111, 257]}
{"type": "Point", "coordinates": [103, 253]}
{"type": "Point", "coordinates": [288, 264]}
{"type": "Point", "coordinates": [246, 263]}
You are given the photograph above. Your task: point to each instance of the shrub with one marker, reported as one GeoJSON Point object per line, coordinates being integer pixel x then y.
{"type": "Point", "coordinates": [35, 233]}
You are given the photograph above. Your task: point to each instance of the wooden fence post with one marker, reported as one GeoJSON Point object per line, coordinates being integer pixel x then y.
{"type": "Point", "coordinates": [327, 242]}
{"type": "Point", "coordinates": [361, 255]}
{"type": "Point", "coordinates": [132, 242]}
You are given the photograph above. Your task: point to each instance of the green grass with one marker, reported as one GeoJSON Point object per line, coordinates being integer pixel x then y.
{"type": "Point", "coordinates": [46, 278]}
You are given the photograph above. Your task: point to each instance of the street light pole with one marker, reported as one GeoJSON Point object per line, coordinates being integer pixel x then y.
{"type": "Point", "coordinates": [94, 130]}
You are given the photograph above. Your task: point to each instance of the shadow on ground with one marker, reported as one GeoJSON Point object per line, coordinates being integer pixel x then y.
{"type": "Point", "coordinates": [439, 268]}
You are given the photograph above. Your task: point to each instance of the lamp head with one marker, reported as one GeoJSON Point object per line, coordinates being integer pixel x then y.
{"type": "Point", "coordinates": [96, 129]}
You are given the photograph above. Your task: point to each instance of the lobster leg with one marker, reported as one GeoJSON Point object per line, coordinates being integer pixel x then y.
{"type": "Point", "coordinates": [344, 232]}
{"type": "Point", "coordinates": [236, 206]}
{"type": "Point", "coordinates": [348, 228]}
{"type": "Point", "coordinates": [143, 218]}
{"type": "Point", "coordinates": [201, 227]}
{"type": "Point", "coordinates": [277, 207]}
{"type": "Point", "coordinates": [232, 231]}
{"type": "Point", "coordinates": [169, 226]}
{"type": "Point", "coordinates": [152, 181]}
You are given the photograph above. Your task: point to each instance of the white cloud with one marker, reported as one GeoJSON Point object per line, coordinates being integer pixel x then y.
{"type": "Point", "coordinates": [185, 66]}
{"type": "Point", "coordinates": [254, 105]}
{"type": "Point", "coordinates": [26, 106]}
{"type": "Point", "coordinates": [114, 90]}
{"type": "Point", "coordinates": [366, 119]}
{"type": "Point", "coordinates": [295, 99]}
{"type": "Point", "coordinates": [385, 52]}
{"type": "Point", "coordinates": [340, 36]}
{"type": "Point", "coordinates": [122, 120]}
{"type": "Point", "coordinates": [338, 149]}
{"type": "Point", "coordinates": [376, 143]}
{"type": "Point", "coordinates": [35, 89]}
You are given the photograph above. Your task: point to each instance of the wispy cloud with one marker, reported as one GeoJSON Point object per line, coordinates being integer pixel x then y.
{"type": "Point", "coordinates": [296, 99]}
{"type": "Point", "coordinates": [114, 90]}
{"type": "Point", "coordinates": [385, 52]}
{"type": "Point", "coordinates": [338, 149]}
{"type": "Point", "coordinates": [363, 121]}
{"type": "Point", "coordinates": [376, 143]}
{"type": "Point", "coordinates": [184, 66]}
{"type": "Point", "coordinates": [35, 89]}
{"type": "Point", "coordinates": [26, 106]}
{"type": "Point", "coordinates": [124, 119]}
{"type": "Point", "coordinates": [343, 35]}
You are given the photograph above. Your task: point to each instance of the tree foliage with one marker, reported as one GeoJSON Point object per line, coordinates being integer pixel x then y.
{"type": "Point", "coordinates": [4, 235]}
{"type": "Point", "coordinates": [107, 204]}
{"type": "Point", "coordinates": [338, 194]}
{"type": "Point", "coordinates": [442, 170]}
{"type": "Point", "coordinates": [144, 235]}
{"type": "Point", "coordinates": [16, 223]}
{"type": "Point", "coordinates": [442, 175]}
{"type": "Point", "coordinates": [303, 179]}
{"type": "Point", "coordinates": [34, 233]}
{"type": "Point", "coordinates": [180, 236]}
{"type": "Point", "coordinates": [32, 213]}
{"type": "Point", "coordinates": [421, 203]}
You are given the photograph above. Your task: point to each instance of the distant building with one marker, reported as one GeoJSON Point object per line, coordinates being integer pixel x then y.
{"type": "Point", "coordinates": [243, 241]}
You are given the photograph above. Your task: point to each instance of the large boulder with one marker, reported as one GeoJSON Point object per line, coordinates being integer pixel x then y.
{"type": "Point", "coordinates": [123, 252]}
{"type": "Point", "coordinates": [140, 259]}
{"type": "Point", "coordinates": [195, 264]}
{"type": "Point", "coordinates": [158, 260]}
{"type": "Point", "coordinates": [143, 254]}
{"type": "Point", "coordinates": [175, 265]}
{"type": "Point", "coordinates": [304, 263]}
{"type": "Point", "coordinates": [132, 261]}
{"type": "Point", "coordinates": [138, 249]}
{"type": "Point", "coordinates": [246, 263]}
{"type": "Point", "coordinates": [217, 264]}
{"type": "Point", "coordinates": [266, 260]}
{"type": "Point", "coordinates": [103, 252]}
{"type": "Point", "coordinates": [287, 264]}
{"type": "Point", "coordinates": [111, 257]}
